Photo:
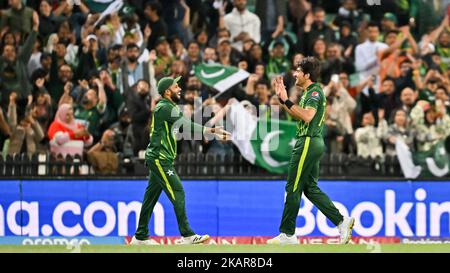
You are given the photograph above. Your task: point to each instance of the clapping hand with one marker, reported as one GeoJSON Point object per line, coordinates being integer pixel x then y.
{"type": "Point", "coordinates": [280, 89]}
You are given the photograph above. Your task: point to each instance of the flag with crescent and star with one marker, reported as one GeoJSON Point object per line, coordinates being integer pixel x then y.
{"type": "Point", "coordinates": [107, 7]}
{"type": "Point", "coordinates": [218, 76]}
{"type": "Point", "coordinates": [432, 163]}
{"type": "Point", "coordinates": [267, 143]}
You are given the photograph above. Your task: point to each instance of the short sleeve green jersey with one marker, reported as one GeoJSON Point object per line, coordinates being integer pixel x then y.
{"type": "Point", "coordinates": [167, 118]}
{"type": "Point", "coordinates": [313, 97]}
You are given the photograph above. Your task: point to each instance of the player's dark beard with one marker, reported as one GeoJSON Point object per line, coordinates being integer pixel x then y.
{"type": "Point", "coordinates": [174, 97]}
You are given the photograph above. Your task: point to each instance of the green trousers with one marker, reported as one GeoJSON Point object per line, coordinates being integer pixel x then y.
{"type": "Point", "coordinates": [303, 174]}
{"type": "Point", "coordinates": [163, 178]}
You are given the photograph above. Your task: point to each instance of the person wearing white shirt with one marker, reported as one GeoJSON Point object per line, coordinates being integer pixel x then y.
{"type": "Point", "coordinates": [242, 24]}
{"type": "Point", "coordinates": [366, 54]}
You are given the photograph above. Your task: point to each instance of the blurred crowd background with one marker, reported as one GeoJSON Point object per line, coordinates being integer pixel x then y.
{"type": "Point", "coordinates": [76, 81]}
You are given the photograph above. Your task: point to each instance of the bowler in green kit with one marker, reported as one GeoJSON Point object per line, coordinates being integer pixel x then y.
{"type": "Point", "coordinates": [303, 172]}
{"type": "Point", "coordinates": [159, 157]}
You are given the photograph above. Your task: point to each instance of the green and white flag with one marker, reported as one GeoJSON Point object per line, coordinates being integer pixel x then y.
{"type": "Point", "coordinates": [105, 7]}
{"type": "Point", "coordinates": [267, 143]}
{"type": "Point", "coordinates": [218, 76]}
{"type": "Point", "coordinates": [435, 162]}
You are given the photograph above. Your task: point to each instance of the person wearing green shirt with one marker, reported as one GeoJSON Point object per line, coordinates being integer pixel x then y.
{"type": "Point", "coordinates": [160, 156]}
{"type": "Point", "coordinates": [303, 170]}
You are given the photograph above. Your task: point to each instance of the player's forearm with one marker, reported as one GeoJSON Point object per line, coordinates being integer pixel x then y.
{"type": "Point", "coordinates": [192, 126]}
{"type": "Point", "coordinates": [299, 113]}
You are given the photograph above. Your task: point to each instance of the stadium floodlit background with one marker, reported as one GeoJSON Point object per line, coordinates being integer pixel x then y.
{"type": "Point", "coordinates": [385, 71]}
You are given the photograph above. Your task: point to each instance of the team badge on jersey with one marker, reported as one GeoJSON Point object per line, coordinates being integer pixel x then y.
{"type": "Point", "coordinates": [315, 94]}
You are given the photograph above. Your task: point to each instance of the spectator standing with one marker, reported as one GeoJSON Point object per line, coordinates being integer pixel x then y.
{"type": "Point", "coordinates": [26, 132]}
{"type": "Point", "coordinates": [441, 37]}
{"type": "Point", "coordinates": [124, 132]}
{"type": "Point", "coordinates": [138, 101]}
{"type": "Point", "coordinates": [342, 106]}
{"type": "Point", "coordinates": [347, 40]}
{"type": "Point", "coordinates": [59, 77]}
{"type": "Point", "coordinates": [279, 58]}
{"type": "Point", "coordinates": [19, 18]}
{"type": "Point", "coordinates": [272, 14]}
{"type": "Point", "coordinates": [334, 63]}
{"type": "Point", "coordinates": [42, 105]}
{"type": "Point", "coordinates": [314, 28]}
{"type": "Point", "coordinates": [348, 13]}
{"type": "Point", "coordinates": [193, 56]}
{"type": "Point", "coordinates": [132, 70]}
{"type": "Point", "coordinates": [48, 21]}
{"type": "Point", "coordinates": [13, 66]}
{"type": "Point", "coordinates": [242, 24]}
{"type": "Point", "coordinates": [366, 54]}
{"type": "Point", "coordinates": [405, 79]}
{"type": "Point", "coordinates": [88, 57]}
{"type": "Point", "coordinates": [386, 97]}
{"type": "Point", "coordinates": [153, 11]}
{"type": "Point", "coordinates": [93, 106]}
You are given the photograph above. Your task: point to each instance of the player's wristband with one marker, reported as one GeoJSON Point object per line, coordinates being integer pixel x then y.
{"type": "Point", "coordinates": [281, 101]}
{"type": "Point", "coordinates": [288, 103]}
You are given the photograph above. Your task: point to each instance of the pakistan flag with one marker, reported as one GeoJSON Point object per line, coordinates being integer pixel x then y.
{"type": "Point", "coordinates": [267, 143]}
{"type": "Point", "coordinates": [435, 162]}
{"type": "Point", "coordinates": [218, 76]}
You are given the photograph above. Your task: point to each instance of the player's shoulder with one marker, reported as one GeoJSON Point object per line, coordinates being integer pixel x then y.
{"type": "Point", "coordinates": [166, 108]}
{"type": "Point", "coordinates": [163, 105]}
{"type": "Point", "coordinates": [316, 91]}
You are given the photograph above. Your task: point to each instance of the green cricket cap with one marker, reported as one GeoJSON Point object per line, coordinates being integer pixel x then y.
{"type": "Point", "coordinates": [165, 83]}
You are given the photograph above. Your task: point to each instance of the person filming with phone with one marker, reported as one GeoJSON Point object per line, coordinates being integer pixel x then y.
{"type": "Point", "coordinates": [342, 106]}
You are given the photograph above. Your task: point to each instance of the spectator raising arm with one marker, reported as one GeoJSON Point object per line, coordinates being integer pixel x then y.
{"type": "Point", "coordinates": [221, 15]}
{"type": "Point", "coordinates": [187, 14]}
{"type": "Point", "coordinates": [102, 99]}
{"type": "Point", "coordinates": [66, 98]}
{"type": "Point", "coordinates": [61, 7]}
{"type": "Point", "coordinates": [396, 45]}
{"type": "Point", "coordinates": [12, 111]}
{"type": "Point", "coordinates": [83, 8]}
{"type": "Point", "coordinates": [4, 127]}
{"type": "Point", "coordinates": [435, 33]}
{"type": "Point", "coordinates": [27, 49]}
{"type": "Point", "coordinates": [250, 87]}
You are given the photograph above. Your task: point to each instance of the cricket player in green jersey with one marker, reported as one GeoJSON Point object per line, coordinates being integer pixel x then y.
{"type": "Point", "coordinates": [303, 170]}
{"type": "Point", "coordinates": [159, 157]}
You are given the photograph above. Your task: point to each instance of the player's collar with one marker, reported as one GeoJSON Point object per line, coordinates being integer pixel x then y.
{"type": "Point", "coordinates": [169, 101]}
{"type": "Point", "coordinates": [312, 85]}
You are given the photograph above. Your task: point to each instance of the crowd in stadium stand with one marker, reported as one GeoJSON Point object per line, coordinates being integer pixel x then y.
{"type": "Point", "coordinates": [73, 81]}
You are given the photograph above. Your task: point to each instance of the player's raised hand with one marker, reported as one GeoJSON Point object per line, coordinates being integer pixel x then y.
{"type": "Point", "coordinates": [280, 89]}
